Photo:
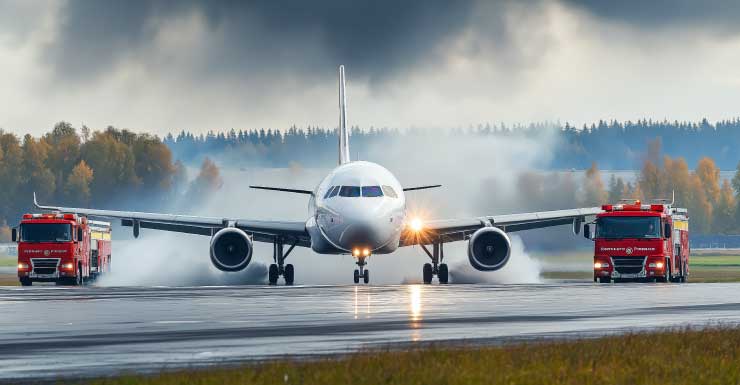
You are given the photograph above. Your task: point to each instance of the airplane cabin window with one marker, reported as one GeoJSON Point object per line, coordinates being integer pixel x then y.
{"type": "Point", "coordinates": [389, 191]}
{"type": "Point", "coordinates": [372, 191]}
{"type": "Point", "coordinates": [349, 191]}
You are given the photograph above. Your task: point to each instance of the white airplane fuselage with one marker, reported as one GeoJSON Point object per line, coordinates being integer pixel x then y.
{"type": "Point", "coordinates": [358, 209]}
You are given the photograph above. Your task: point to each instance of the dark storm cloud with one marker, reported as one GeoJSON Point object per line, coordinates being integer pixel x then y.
{"type": "Point", "coordinates": [373, 37]}
{"type": "Point", "coordinates": [715, 15]}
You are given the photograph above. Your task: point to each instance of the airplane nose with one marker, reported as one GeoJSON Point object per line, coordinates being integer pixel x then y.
{"type": "Point", "coordinates": [363, 235]}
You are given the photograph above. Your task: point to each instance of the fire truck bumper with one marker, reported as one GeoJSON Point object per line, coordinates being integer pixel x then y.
{"type": "Point", "coordinates": [617, 275]}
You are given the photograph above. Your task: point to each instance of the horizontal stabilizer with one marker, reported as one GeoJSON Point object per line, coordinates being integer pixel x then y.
{"type": "Point", "coordinates": [421, 187]}
{"type": "Point", "coordinates": [290, 190]}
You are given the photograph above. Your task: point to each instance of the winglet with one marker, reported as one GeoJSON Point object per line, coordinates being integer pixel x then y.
{"type": "Point", "coordinates": [40, 207]}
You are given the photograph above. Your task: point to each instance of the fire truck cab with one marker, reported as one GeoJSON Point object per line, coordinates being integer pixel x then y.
{"type": "Point", "coordinates": [640, 242]}
{"type": "Point", "coordinates": [61, 248]}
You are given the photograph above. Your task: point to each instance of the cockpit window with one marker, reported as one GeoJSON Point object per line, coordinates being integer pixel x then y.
{"type": "Point", "coordinates": [329, 191]}
{"type": "Point", "coordinates": [349, 191]}
{"type": "Point", "coordinates": [334, 191]}
{"type": "Point", "coordinates": [390, 192]}
{"type": "Point", "coordinates": [372, 191]}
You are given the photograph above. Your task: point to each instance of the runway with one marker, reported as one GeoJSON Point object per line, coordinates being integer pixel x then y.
{"type": "Point", "coordinates": [49, 332]}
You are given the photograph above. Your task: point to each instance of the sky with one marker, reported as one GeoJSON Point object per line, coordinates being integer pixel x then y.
{"type": "Point", "coordinates": [162, 66]}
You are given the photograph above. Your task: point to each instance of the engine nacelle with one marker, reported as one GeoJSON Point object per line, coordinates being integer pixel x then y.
{"type": "Point", "coordinates": [231, 249]}
{"type": "Point", "coordinates": [489, 249]}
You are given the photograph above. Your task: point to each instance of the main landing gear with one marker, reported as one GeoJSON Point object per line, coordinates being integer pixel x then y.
{"type": "Point", "coordinates": [362, 272]}
{"type": "Point", "coordinates": [279, 268]}
{"type": "Point", "coordinates": [435, 268]}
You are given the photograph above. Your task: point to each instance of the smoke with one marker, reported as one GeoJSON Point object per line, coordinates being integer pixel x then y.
{"type": "Point", "coordinates": [464, 165]}
{"type": "Point", "coordinates": [521, 268]}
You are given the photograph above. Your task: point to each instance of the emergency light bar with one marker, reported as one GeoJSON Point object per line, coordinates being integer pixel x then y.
{"type": "Point", "coordinates": [634, 207]}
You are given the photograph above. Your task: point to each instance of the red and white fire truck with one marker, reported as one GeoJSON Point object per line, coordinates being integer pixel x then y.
{"type": "Point", "coordinates": [640, 242]}
{"type": "Point", "coordinates": [62, 248]}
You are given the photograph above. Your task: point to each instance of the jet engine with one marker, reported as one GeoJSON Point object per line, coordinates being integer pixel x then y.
{"type": "Point", "coordinates": [231, 249]}
{"type": "Point", "coordinates": [489, 249]}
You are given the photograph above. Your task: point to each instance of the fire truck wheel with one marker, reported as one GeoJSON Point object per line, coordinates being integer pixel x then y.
{"type": "Point", "coordinates": [25, 281]}
{"type": "Point", "coordinates": [289, 274]}
{"type": "Point", "coordinates": [272, 274]}
{"type": "Point", "coordinates": [605, 280]}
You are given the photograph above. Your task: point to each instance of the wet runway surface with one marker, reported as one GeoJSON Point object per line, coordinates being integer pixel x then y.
{"type": "Point", "coordinates": [50, 331]}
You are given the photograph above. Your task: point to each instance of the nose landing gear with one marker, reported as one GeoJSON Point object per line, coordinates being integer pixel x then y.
{"type": "Point", "coordinates": [435, 268]}
{"type": "Point", "coordinates": [279, 268]}
{"type": "Point", "coordinates": [362, 272]}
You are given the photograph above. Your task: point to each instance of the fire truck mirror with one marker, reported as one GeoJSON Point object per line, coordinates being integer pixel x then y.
{"type": "Point", "coordinates": [587, 231]}
{"type": "Point", "coordinates": [79, 234]}
{"type": "Point", "coordinates": [14, 235]}
{"type": "Point", "coordinates": [666, 230]}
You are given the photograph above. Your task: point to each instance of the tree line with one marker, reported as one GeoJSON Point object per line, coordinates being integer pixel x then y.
{"type": "Point", "coordinates": [79, 168]}
{"type": "Point", "coordinates": [712, 203]}
{"type": "Point", "coordinates": [613, 144]}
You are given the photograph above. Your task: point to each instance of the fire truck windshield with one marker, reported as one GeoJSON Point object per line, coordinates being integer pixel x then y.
{"type": "Point", "coordinates": [628, 227]}
{"type": "Point", "coordinates": [46, 232]}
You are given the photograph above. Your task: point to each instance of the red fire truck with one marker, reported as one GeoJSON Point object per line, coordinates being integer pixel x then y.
{"type": "Point", "coordinates": [641, 242]}
{"type": "Point", "coordinates": [62, 248]}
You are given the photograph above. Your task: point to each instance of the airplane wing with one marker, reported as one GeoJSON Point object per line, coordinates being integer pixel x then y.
{"type": "Point", "coordinates": [261, 231]}
{"type": "Point", "coordinates": [451, 230]}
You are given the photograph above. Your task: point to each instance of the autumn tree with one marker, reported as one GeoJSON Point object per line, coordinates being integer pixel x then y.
{"type": "Point", "coordinates": [724, 211]}
{"type": "Point", "coordinates": [699, 206]}
{"type": "Point", "coordinates": [5, 232]}
{"type": "Point", "coordinates": [708, 174]}
{"type": "Point", "coordinates": [207, 182]}
{"type": "Point", "coordinates": [63, 150]}
{"type": "Point", "coordinates": [10, 174]}
{"type": "Point", "coordinates": [113, 163]}
{"type": "Point", "coordinates": [77, 188]}
{"type": "Point", "coordinates": [593, 189]}
{"type": "Point", "coordinates": [37, 177]}
{"type": "Point", "coordinates": [153, 164]}
{"type": "Point", "coordinates": [678, 180]}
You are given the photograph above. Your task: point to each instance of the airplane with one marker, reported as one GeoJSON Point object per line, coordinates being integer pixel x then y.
{"type": "Point", "coordinates": [359, 208]}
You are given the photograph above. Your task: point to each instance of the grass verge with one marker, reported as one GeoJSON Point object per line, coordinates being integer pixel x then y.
{"type": "Point", "coordinates": [8, 261]}
{"type": "Point", "coordinates": [670, 357]}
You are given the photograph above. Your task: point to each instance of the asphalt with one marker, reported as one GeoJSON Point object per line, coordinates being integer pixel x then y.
{"type": "Point", "coordinates": [51, 332]}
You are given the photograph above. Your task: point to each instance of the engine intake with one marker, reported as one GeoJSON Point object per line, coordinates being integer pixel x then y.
{"type": "Point", "coordinates": [489, 249]}
{"type": "Point", "coordinates": [231, 249]}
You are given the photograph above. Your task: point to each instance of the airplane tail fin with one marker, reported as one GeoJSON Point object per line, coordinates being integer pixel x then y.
{"type": "Point", "coordinates": [343, 133]}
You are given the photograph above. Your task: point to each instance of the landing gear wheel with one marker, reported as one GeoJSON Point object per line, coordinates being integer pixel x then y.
{"type": "Point", "coordinates": [272, 274]}
{"type": "Point", "coordinates": [288, 274]}
{"type": "Point", "coordinates": [605, 280]}
{"type": "Point", "coordinates": [25, 281]}
{"type": "Point", "coordinates": [357, 276]}
{"type": "Point", "coordinates": [427, 273]}
{"type": "Point", "coordinates": [443, 274]}
{"type": "Point", "coordinates": [366, 276]}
